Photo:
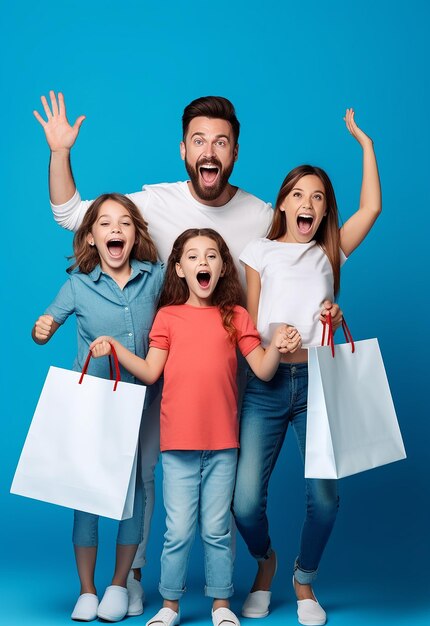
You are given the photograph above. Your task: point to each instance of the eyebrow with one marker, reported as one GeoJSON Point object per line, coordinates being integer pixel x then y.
{"type": "Point", "coordinates": [315, 190]}
{"type": "Point", "coordinates": [220, 136]}
{"type": "Point", "coordinates": [206, 250]}
{"type": "Point", "coordinates": [110, 217]}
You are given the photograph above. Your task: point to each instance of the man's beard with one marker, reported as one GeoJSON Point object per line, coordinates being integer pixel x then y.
{"type": "Point", "coordinates": [213, 192]}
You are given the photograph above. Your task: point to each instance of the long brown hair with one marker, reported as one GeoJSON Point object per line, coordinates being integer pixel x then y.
{"type": "Point", "coordinates": [87, 257]}
{"type": "Point", "coordinates": [228, 291]}
{"type": "Point", "coordinates": [327, 235]}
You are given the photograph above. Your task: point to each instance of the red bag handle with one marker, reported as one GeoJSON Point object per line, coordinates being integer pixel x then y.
{"type": "Point", "coordinates": [330, 335]}
{"type": "Point", "coordinates": [117, 372]}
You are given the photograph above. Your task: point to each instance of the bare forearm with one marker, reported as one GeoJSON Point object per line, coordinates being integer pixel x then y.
{"type": "Point", "coordinates": [61, 183]}
{"type": "Point", "coordinates": [370, 196]}
{"type": "Point", "coordinates": [264, 363]}
{"type": "Point", "coordinates": [138, 367]}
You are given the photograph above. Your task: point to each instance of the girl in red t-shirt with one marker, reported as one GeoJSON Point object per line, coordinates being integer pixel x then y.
{"type": "Point", "coordinates": [194, 338]}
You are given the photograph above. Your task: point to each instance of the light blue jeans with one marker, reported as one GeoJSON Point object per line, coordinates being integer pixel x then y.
{"type": "Point", "coordinates": [198, 487]}
{"type": "Point", "coordinates": [267, 410]}
{"type": "Point", "coordinates": [149, 447]}
{"type": "Point", "coordinates": [130, 531]}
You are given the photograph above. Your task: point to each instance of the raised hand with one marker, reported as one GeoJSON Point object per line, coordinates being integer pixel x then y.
{"type": "Point", "coordinates": [355, 131]}
{"type": "Point", "coordinates": [60, 135]}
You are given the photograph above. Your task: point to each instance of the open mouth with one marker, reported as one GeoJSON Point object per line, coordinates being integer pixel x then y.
{"type": "Point", "coordinates": [204, 278]}
{"type": "Point", "coordinates": [209, 173]}
{"type": "Point", "coordinates": [115, 247]}
{"type": "Point", "coordinates": [304, 223]}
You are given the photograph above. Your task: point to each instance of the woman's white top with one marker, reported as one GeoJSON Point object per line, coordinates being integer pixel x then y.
{"type": "Point", "coordinates": [296, 278]}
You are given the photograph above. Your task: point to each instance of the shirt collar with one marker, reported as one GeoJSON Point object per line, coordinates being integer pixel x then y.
{"type": "Point", "coordinates": [137, 267]}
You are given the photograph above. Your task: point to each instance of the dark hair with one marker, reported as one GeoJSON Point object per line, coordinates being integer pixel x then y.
{"type": "Point", "coordinates": [327, 234]}
{"type": "Point", "coordinates": [211, 106]}
{"type": "Point", "coordinates": [228, 291]}
{"type": "Point", "coordinates": [87, 257]}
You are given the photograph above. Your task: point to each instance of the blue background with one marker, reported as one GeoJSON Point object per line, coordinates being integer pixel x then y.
{"type": "Point", "coordinates": [291, 70]}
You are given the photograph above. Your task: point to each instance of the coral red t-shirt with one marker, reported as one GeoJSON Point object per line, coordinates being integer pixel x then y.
{"type": "Point", "coordinates": [199, 401]}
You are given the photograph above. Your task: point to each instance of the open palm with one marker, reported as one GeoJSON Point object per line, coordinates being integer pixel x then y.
{"type": "Point", "coordinates": [60, 135]}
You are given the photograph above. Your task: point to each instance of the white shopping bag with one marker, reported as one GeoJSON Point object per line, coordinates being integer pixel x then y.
{"type": "Point", "coordinates": [81, 448]}
{"type": "Point", "coordinates": [351, 420]}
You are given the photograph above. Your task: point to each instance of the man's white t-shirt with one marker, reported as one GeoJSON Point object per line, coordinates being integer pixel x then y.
{"type": "Point", "coordinates": [169, 209]}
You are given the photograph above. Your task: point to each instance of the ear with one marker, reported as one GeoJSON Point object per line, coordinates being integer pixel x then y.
{"type": "Point", "coordinates": [236, 152]}
{"type": "Point", "coordinates": [224, 267]}
{"type": "Point", "coordinates": [182, 150]}
{"type": "Point", "coordinates": [179, 270]}
{"type": "Point", "coordinates": [90, 239]}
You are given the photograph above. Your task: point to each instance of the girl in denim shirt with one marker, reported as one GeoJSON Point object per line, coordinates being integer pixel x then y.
{"type": "Point", "coordinates": [114, 284]}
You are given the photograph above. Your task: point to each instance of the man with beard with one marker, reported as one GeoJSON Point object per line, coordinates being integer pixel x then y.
{"type": "Point", "coordinates": [209, 148]}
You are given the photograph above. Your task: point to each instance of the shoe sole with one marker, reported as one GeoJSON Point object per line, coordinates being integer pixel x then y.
{"type": "Point", "coordinates": [134, 613]}
{"type": "Point", "coordinates": [312, 623]}
{"type": "Point", "coordinates": [255, 615]}
{"type": "Point", "coordinates": [109, 618]}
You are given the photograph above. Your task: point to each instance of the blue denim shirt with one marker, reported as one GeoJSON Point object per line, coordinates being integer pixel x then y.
{"type": "Point", "coordinates": [102, 308]}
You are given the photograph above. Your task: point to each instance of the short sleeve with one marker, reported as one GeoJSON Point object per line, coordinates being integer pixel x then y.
{"type": "Point", "coordinates": [159, 337]}
{"type": "Point", "coordinates": [64, 303]}
{"type": "Point", "coordinates": [248, 337]}
{"type": "Point", "coordinates": [251, 255]}
{"type": "Point", "coordinates": [343, 258]}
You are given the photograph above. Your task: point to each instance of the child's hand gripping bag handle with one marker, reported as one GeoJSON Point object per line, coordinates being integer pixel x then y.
{"type": "Point", "coordinates": [330, 336]}
{"type": "Point", "coordinates": [117, 372]}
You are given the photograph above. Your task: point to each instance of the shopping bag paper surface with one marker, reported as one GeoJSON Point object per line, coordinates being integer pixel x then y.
{"type": "Point", "coordinates": [81, 447]}
{"type": "Point", "coordinates": [351, 422]}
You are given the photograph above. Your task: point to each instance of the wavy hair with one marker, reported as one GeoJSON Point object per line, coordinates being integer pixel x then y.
{"type": "Point", "coordinates": [227, 293]}
{"type": "Point", "coordinates": [327, 235]}
{"type": "Point", "coordinates": [87, 257]}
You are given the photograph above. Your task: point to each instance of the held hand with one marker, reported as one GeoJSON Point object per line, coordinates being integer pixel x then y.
{"type": "Point", "coordinates": [43, 327]}
{"type": "Point", "coordinates": [335, 312]}
{"type": "Point", "coordinates": [59, 134]}
{"type": "Point", "coordinates": [355, 131]}
{"type": "Point", "coordinates": [101, 347]}
{"type": "Point", "coordinates": [287, 339]}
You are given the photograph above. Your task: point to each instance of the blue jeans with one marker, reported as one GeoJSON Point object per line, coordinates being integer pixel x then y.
{"type": "Point", "coordinates": [198, 487]}
{"type": "Point", "coordinates": [149, 449]}
{"type": "Point", "coordinates": [130, 531]}
{"type": "Point", "coordinates": [267, 410]}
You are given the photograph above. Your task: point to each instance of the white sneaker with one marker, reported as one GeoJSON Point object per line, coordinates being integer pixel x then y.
{"type": "Point", "coordinates": [165, 617]}
{"type": "Point", "coordinates": [86, 608]}
{"type": "Point", "coordinates": [257, 604]}
{"type": "Point", "coordinates": [136, 595]}
{"type": "Point", "coordinates": [114, 604]}
{"type": "Point", "coordinates": [310, 612]}
{"type": "Point", "coordinates": [224, 616]}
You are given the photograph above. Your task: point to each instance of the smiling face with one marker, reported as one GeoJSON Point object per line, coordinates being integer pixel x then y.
{"type": "Point", "coordinates": [201, 266]}
{"type": "Point", "coordinates": [114, 235]}
{"type": "Point", "coordinates": [209, 152]}
{"type": "Point", "coordinates": [305, 207]}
